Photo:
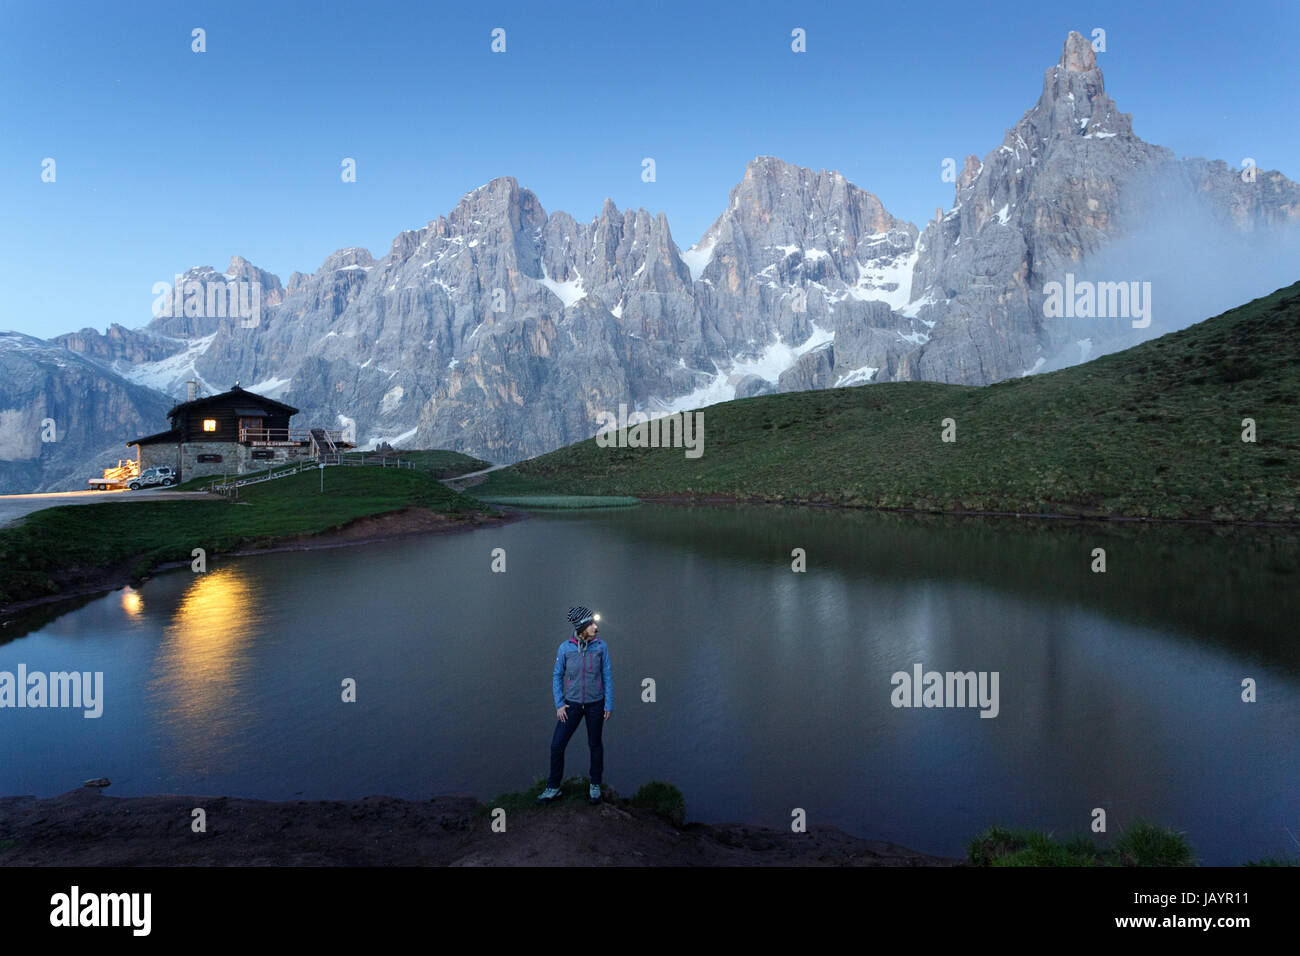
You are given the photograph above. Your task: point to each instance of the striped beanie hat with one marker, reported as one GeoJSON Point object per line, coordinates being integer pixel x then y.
{"type": "Point", "coordinates": [580, 617]}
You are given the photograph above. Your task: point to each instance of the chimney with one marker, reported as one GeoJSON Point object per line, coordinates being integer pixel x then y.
{"type": "Point", "coordinates": [189, 390]}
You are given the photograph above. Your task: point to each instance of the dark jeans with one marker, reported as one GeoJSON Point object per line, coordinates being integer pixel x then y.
{"type": "Point", "coordinates": [564, 729]}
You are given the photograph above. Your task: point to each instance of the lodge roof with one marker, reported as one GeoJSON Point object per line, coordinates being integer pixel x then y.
{"type": "Point", "coordinates": [235, 394]}
{"type": "Point", "coordinates": [171, 434]}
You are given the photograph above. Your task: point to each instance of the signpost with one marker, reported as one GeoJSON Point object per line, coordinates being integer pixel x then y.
{"type": "Point", "coordinates": [322, 477]}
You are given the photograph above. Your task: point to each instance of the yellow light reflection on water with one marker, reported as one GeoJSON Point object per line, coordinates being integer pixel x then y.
{"type": "Point", "coordinates": [201, 663]}
{"type": "Point", "coordinates": [132, 602]}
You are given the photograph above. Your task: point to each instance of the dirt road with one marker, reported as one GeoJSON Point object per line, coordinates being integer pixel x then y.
{"type": "Point", "coordinates": [13, 507]}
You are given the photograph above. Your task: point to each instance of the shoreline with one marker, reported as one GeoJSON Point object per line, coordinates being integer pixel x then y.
{"type": "Point", "coordinates": [84, 827]}
{"type": "Point", "coordinates": [413, 519]}
{"type": "Point", "coordinates": [368, 529]}
{"type": "Point", "coordinates": [712, 499]}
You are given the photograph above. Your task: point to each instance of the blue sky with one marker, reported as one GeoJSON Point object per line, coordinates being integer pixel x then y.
{"type": "Point", "coordinates": [168, 159]}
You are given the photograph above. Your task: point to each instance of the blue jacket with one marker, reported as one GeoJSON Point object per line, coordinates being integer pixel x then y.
{"type": "Point", "coordinates": [582, 673]}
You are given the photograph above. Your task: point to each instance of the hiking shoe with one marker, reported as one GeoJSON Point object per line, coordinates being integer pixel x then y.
{"type": "Point", "coordinates": [594, 792]}
{"type": "Point", "coordinates": [549, 794]}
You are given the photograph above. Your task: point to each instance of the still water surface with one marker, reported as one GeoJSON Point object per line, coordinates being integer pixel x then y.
{"type": "Point", "coordinates": [1119, 690]}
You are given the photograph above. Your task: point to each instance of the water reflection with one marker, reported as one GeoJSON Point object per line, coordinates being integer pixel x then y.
{"type": "Point", "coordinates": [202, 685]}
{"type": "Point", "coordinates": [132, 602]}
{"type": "Point", "coordinates": [1119, 690]}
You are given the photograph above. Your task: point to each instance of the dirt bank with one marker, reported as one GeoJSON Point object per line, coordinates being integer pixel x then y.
{"type": "Point", "coordinates": [84, 827]}
{"type": "Point", "coordinates": [381, 527]}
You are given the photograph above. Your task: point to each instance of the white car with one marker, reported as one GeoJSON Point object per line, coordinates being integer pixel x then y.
{"type": "Point", "coordinates": [162, 475]}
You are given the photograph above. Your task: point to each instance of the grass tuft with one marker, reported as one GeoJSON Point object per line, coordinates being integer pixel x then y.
{"type": "Point", "coordinates": [572, 791]}
{"type": "Point", "coordinates": [662, 798]}
{"type": "Point", "coordinates": [1142, 844]}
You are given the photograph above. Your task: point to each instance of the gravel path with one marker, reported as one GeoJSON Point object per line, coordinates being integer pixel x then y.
{"type": "Point", "coordinates": [13, 507]}
{"type": "Point", "coordinates": [461, 482]}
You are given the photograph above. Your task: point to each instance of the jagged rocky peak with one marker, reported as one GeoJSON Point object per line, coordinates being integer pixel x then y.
{"type": "Point", "coordinates": [970, 169]}
{"type": "Point", "coordinates": [1077, 55]}
{"type": "Point", "coordinates": [608, 229]}
{"type": "Point", "coordinates": [664, 265]}
{"type": "Point", "coordinates": [773, 191]}
{"type": "Point", "coordinates": [781, 214]}
{"type": "Point", "coordinates": [1068, 178]}
{"type": "Point", "coordinates": [405, 243]}
{"type": "Point", "coordinates": [272, 291]}
{"type": "Point", "coordinates": [241, 268]}
{"type": "Point", "coordinates": [498, 204]}
{"type": "Point", "coordinates": [353, 259]}
{"type": "Point", "coordinates": [1073, 109]}
{"type": "Point", "coordinates": [117, 343]}
{"type": "Point", "coordinates": [563, 246]}
{"type": "Point", "coordinates": [1074, 100]}
{"type": "Point", "coordinates": [346, 258]}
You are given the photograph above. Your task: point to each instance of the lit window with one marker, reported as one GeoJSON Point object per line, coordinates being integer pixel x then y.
{"type": "Point", "coordinates": [209, 424]}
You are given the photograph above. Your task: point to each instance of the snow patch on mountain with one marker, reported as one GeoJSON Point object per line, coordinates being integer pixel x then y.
{"type": "Point", "coordinates": [768, 365]}
{"type": "Point", "coordinates": [911, 309]}
{"type": "Point", "coordinates": [17, 341]}
{"type": "Point", "coordinates": [698, 257]}
{"type": "Point", "coordinates": [395, 440]}
{"type": "Point", "coordinates": [859, 376]}
{"type": "Point", "coordinates": [169, 375]}
{"type": "Point", "coordinates": [349, 426]}
{"type": "Point", "coordinates": [271, 387]}
{"type": "Point", "coordinates": [887, 280]}
{"type": "Point", "coordinates": [567, 292]}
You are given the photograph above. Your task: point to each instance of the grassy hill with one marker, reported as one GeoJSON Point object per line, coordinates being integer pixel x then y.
{"type": "Point", "coordinates": [439, 463]}
{"type": "Point", "coordinates": [1154, 431]}
{"type": "Point", "coordinates": [61, 549]}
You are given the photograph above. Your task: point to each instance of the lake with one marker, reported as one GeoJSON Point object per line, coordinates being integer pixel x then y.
{"type": "Point", "coordinates": [774, 689]}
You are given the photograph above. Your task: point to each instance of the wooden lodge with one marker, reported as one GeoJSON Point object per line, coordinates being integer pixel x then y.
{"type": "Point", "coordinates": [233, 433]}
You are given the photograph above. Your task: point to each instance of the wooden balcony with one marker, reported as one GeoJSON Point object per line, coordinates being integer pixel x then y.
{"type": "Point", "coordinates": [282, 436]}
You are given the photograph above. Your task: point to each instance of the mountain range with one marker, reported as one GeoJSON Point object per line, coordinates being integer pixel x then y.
{"type": "Point", "coordinates": [504, 331]}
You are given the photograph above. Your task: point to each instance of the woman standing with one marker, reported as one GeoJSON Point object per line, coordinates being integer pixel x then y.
{"type": "Point", "coordinates": [582, 687]}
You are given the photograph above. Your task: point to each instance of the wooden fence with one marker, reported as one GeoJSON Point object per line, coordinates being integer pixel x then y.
{"type": "Point", "coordinates": [230, 486]}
